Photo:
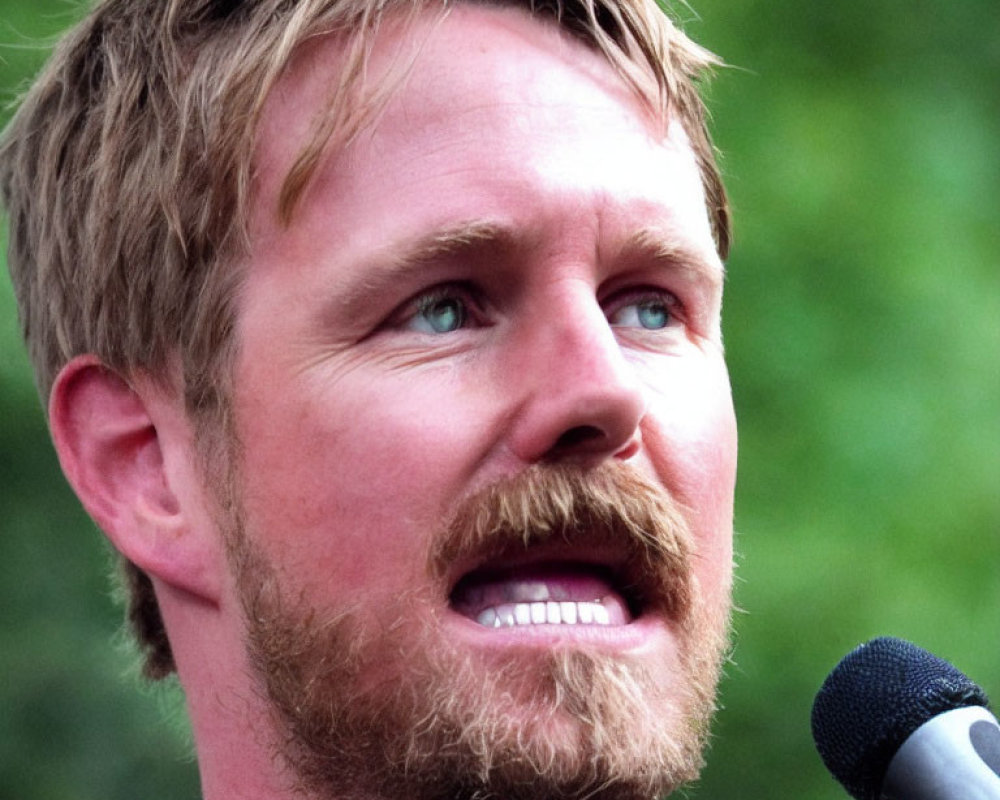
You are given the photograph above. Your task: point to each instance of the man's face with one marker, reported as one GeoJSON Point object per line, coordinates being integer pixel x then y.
{"type": "Point", "coordinates": [510, 276]}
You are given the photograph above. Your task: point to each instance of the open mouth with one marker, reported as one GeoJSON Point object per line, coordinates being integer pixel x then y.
{"type": "Point", "coordinates": [548, 593]}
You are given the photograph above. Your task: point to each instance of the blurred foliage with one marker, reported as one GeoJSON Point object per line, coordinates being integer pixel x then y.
{"type": "Point", "coordinates": [863, 332]}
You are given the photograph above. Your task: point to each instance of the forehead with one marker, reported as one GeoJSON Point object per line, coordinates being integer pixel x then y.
{"type": "Point", "coordinates": [319, 91]}
{"type": "Point", "coordinates": [483, 87]}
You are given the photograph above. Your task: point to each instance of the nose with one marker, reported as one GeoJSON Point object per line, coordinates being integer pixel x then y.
{"type": "Point", "coordinates": [581, 399]}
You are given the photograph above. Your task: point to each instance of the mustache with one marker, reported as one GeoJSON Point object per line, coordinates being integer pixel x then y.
{"type": "Point", "coordinates": [611, 507]}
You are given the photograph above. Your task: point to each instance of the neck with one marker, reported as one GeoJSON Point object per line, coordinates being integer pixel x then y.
{"type": "Point", "coordinates": [233, 734]}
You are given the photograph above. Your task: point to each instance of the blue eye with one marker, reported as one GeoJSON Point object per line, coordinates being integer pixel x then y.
{"type": "Point", "coordinates": [653, 314]}
{"type": "Point", "coordinates": [439, 313]}
{"type": "Point", "coordinates": [650, 312]}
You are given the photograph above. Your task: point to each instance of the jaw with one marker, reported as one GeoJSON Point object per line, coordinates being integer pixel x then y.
{"type": "Point", "coordinates": [509, 704]}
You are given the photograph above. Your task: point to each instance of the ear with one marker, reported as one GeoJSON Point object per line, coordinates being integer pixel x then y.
{"type": "Point", "coordinates": [127, 453]}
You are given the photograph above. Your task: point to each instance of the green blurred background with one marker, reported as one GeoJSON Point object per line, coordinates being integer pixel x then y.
{"type": "Point", "coordinates": [863, 332]}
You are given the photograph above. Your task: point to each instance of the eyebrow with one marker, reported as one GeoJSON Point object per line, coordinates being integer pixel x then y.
{"type": "Point", "coordinates": [663, 248]}
{"type": "Point", "coordinates": [454, 240]}
{"type": "Point", "coordinates": [475, 238]}
{"type": "Point", "coordinates": [390, 263]}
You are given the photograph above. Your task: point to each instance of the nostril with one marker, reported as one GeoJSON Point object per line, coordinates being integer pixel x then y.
{"type": "Point", "coordinates": [577, 436]}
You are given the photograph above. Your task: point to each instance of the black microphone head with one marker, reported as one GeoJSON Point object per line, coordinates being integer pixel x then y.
{"type": "Point", "coordinates": [873, 700]}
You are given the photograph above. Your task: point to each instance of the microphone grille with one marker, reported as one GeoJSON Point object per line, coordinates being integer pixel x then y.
{"type": "Point", "coordinates": [878, 695]}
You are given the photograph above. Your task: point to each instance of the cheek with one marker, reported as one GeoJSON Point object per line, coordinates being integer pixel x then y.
{"type": "Point", "coordinates": [349, 481]}
{"type": "Point", "coordinates": [690, 435]}
{"type": "Point", "coordinates": [690, 427]}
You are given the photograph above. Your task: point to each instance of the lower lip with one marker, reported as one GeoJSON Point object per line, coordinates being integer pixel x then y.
{"type": "Point", "coordinates": [643, 633]}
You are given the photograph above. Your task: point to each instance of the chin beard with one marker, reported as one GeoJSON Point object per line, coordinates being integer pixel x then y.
{"type": "Point", "coordinates": [363, 710]}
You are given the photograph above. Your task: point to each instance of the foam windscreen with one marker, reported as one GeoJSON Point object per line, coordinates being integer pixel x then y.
{"type": "Point", "coordinates": [873, 700]}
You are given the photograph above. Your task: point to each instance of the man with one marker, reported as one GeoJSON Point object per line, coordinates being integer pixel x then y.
{"type": "Point", "coordinates": [383, 342]}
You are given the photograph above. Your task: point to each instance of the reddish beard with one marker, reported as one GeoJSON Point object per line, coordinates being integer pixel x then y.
{"type": "Point", "coordinates": [441, 723]}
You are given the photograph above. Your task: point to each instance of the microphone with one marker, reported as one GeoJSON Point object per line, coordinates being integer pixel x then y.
{"type": "Point", "coordinates": [894, 722]}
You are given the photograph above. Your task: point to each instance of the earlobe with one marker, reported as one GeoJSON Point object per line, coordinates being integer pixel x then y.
{"type": "Point", "coordinates": [112, 448]}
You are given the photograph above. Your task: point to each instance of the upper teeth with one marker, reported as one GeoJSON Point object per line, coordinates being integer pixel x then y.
{"type": "Point", "coordinates": [545, 613]}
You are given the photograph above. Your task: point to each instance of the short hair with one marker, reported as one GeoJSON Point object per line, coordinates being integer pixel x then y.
{"type": "Point", "coordinates": [126, 174]}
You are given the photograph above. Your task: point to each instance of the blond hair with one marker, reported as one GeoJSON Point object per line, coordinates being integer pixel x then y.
{"type": "Point", "coordinates": [126, 175]}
